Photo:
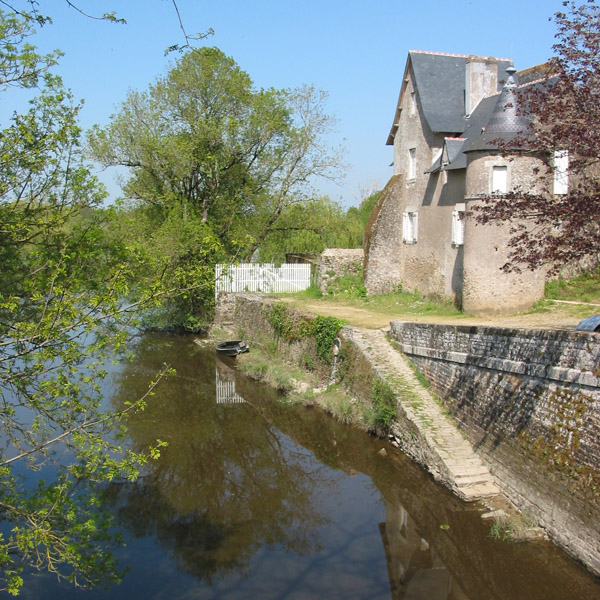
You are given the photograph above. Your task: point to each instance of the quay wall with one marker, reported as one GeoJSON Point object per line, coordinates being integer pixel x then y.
{"type": "Point", "coordinates": [529, 403]}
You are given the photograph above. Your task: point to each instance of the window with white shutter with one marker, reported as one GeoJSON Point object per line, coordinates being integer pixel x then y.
{"type": "Point", "coordinates": [412, 163]}
{"type": "Point", "coordinates": [561, 171]}
{"type": "Point", "coordinates": [458, 227]}
{"type": "Point", "coordinates": [499, 180]}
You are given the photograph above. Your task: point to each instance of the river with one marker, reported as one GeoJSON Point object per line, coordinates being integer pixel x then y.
{"type": "Point", "coordinates": [256, 499]}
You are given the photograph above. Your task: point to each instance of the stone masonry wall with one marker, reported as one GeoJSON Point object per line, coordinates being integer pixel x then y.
{"type": "Point", "coordinates": [529, 402]}
{"type": "Point", "coordinates": [337, 262]}
{"type": "Point", "coordinates": [382, 242]}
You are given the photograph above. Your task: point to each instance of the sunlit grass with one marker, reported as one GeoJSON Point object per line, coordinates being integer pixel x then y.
{"type": "Point", "coordinates": [585, 288]}
{"type": "Point", "coordinates": [336, 401]}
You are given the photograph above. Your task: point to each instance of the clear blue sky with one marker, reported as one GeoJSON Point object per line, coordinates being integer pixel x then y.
{"type": "Point", "coordinates": [354, 50]}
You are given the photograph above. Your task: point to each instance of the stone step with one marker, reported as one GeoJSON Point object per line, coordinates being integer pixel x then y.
{"type": "Point", "coordinates": [478, 492]}
{"type": "Point", "coordinates": [472, 480]}
{"type": "Point", "coordinates": [465, 472]}
{"type": "Point", "coordinates": [480, 471]}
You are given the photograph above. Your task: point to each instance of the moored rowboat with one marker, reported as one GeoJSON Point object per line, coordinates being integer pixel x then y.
{"type": "Point", "coordinates": [232, 347]}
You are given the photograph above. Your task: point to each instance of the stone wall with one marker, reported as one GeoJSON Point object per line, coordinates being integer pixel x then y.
{"type": "Point", "coordinates": [487, 289]}
{"type": "Point", "coordinates": [529, 402]}
{"type": "Point", "coordinates": [382, 242]}
{"type": "Point", "coordinates": [337, 262]}
{"type": "Point", "coordinates": [249, 313]}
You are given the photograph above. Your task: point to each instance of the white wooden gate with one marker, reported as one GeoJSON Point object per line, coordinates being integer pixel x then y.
{"type": "Point", "coordinates": [267, 278]}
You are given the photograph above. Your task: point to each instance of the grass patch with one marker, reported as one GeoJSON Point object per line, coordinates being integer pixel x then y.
{"type": "Point", "coordinates": [311, 293]}
{"type": "Point", "coordinates": [335, 401]}
{"type": "Point", "coordinates": [289, 380]}
{"type": "Point", "coordinates": [259, 365]}
{"type": "Point", "coordinates": [383, 406]}
{"type": "Point", "coordinates": [347, 286]}
{"type": "Point", "coordinates": [584, 288]}
{"type": "Point", "coordinates": [515, 528]}
{"type": "Point", "coordinates": [401, 302]}
{"type": "Point", "coordinates": [256, 370]}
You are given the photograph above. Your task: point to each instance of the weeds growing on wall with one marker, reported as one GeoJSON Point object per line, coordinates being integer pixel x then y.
{"type": "Point", "coordinates": [291, 326]}
{"type": "Point", "coordinates": [349, 285]}
{"type": "Point", "coordinates": [325, 331]}
{"type": "Point", "coordinates": [383, 401]}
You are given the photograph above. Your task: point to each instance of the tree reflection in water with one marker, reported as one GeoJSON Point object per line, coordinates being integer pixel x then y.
{"type": "Point", "coordinates": [244, 475]}
{"type": "Point", "coordinates": [228, 482]}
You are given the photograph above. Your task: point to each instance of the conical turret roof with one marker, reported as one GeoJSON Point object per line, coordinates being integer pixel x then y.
{"type": "Point", "coordinates": [506, 122]}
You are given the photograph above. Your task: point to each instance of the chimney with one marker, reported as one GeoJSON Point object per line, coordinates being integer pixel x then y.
{"type": "Point", "coordinates": [481, 81]}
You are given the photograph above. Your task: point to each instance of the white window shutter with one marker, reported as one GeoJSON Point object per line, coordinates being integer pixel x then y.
{"type": "Point", "coordinates": [409, 227]}
{"type": "Point", "coordinates": [412, 163]}
{"type": "Point", "coordinates": [455, 227]}
{"type": "Point", "coordinates": [561, 171]}
{"type": "Point", "coordinates": [458, 227]}
{"type": "Point", "coordinates": [415, 227]}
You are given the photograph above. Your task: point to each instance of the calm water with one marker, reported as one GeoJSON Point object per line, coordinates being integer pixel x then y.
{"type": "Point", "coordinates": [253, 499]}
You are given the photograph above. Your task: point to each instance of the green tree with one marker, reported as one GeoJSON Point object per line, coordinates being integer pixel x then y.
{"type": "Point", "coordinates": [363, 212]}
{"type": "Point", "coordinates": [312, 226]}
{"type": "Point", "coordinates": [63, 310]}
{"type": "Point", "coordinates": [204, 147]}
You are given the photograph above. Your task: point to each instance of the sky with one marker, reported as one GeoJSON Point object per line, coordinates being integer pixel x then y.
{"type": "Point", "coordinates": [354, 50]}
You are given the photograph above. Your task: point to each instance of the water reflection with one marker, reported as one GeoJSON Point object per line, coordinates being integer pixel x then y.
{"type": "Point", "coordinates": [227, 484]}
{"type": "Point", "coordinates": [256, 499]}
{"type": "Point", "coordinates": [243, 473]}
{"type": "Point", "coordinates": [225, 385]}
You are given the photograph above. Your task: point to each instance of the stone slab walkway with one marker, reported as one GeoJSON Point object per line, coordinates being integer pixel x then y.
{"type": "Point", "coordinates": [424, 430]}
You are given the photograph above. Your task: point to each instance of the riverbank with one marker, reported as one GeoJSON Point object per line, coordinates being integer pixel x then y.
{"type": "Point", "coordinates": [417, 431]}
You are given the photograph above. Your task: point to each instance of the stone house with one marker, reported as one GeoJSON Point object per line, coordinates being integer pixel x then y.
{"type": "Point", "coordinates": [451, 110]}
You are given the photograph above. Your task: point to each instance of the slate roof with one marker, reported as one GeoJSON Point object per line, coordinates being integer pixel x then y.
{"type": "Point", "coordinates": [440, 76]}
{"type": "Point", "coordinates": [456, 157]}
{"type": "Point", "coordinates": [439, 80]}
{"type": "Point", "coordinates": [443, 76]}
{"type": "Point", "coordinates": [505, 123]}
{"type": "Point", "coordinates": [451, 156]}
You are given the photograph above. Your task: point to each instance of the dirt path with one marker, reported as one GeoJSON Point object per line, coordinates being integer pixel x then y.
{"type": "Point", "coordinates": [561, 316]}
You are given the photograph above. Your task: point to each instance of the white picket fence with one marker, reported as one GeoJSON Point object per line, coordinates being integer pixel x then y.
{"type": "Point", "coordinates": [251, 277]}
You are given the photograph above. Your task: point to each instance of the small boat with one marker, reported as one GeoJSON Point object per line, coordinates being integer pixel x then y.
{"type": "Point", "coordinates": [232, 347]}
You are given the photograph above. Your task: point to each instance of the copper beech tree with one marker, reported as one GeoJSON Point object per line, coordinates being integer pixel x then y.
{"type": "Point", "coordinates": [550, 229]}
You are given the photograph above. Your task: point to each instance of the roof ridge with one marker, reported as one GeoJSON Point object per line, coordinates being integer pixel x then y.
{"type": "Point", "coordinates": [457, 55]}
{"type": "Point", "coordinates": [532, 82]}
